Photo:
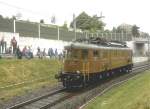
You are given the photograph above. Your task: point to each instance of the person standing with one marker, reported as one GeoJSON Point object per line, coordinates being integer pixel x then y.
{"type": "Point", "coordinates": [56, 53]}
{"type": "Point", "coordinates": [0, 46]}
{"type": "Point", "coordinates": [44, 53]}
{"type": "Point", "coordinates": [30, 52]}
{"type": "Point", "coordinates": [14, 44]}
{"type": "Point", "coordinates": [49, 53]}
{"type": "Point", "coordinates": [39, 53]}
{"type": "Point", "coordinates": [3, 49]}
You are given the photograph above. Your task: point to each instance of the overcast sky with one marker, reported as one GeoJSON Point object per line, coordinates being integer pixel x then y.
{"type": "Point", "coordinates": [116, 12]}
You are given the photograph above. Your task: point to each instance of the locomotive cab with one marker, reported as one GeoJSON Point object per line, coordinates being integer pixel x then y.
{"type": "Point", "coordinates": [75, 67]}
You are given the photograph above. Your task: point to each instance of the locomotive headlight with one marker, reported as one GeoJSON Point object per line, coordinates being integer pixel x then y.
{"type": "Point", "coordinates": [78, 71]}
{"type": "Point", "coordinates": [77, 77]}
{"type": "Point", "coordinates": [68, 77]}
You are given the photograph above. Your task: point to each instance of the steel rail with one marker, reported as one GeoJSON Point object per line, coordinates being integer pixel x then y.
{"type": "Point", "coordinates": [19, 105]}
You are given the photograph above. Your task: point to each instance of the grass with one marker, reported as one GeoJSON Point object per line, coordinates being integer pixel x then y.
{"type": "Point", "coordinates": [133, 94]}
{"type": "Point", "coordinates": [16, 71]}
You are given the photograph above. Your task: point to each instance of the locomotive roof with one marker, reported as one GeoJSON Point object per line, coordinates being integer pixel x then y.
{"type": "Point", "coordinates": [93, 46]}
{"type": "Point", "coordinates": [97, 43]}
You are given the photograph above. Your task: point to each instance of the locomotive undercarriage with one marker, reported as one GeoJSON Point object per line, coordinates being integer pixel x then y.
{"type": "Point", "coordinates": [78, 80]}
{"type": "Point", "coordinates": [71, 80]}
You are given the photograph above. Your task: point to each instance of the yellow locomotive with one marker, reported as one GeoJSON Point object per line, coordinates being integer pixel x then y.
{"type": "Point", "coordinates": [91, 60]}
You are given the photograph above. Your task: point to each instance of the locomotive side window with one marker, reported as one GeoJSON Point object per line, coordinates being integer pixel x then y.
{"type": "Point", "coordinates": [73, 54]}
{"type": "Point", "coordinates": [84, 54]}
{"type": "Point", "coordinates": [95, 53]}
{"type": "Point", "coordinates": [101, 54]}
{"type": "Point", "coordinates": [119, 53]}
{"type": "Point", "coordinates": [114, 54]}
{"type": "Point", "coordinates": [105, 54]}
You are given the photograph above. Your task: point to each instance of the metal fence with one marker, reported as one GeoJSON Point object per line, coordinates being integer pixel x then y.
{"type": "Point", "coordinates": [28, 29]}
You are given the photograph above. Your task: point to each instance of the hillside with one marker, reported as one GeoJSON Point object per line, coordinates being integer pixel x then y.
{"type": "Point", "coordinates": [34, 73]}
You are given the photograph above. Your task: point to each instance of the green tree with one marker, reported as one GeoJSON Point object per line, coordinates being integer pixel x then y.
{"type": "Point", "coordinates": [96, 24]}
{"type": "Point", "coordinates": [107, 31]}
{"type": "Point", "coordinates": [86, 22]}
{"type": "Point", "coordinates": [65, 26]}
{"type": "Point", "coordinates": [13, 17]}
{"type": "Point", "coordinates": [120, 29]}
{"type": "Point", "coordinates": [135, 31]}
{"type": "Point", "coordinates": [1, 16]}
{"type": "Point", "coordinates": [125, 28]}
{"type": "Point", "coordinates": [41, 21]}
{"type": "Point", "coordinates": [114, 29]}
{"type": "Point", "coordinates": [81, 21]}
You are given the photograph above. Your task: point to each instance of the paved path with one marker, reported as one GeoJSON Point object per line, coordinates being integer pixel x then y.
{"type": "Point", "coordinates": [139, 59]}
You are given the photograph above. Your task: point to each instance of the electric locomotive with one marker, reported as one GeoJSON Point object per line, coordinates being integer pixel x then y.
{"type": "Point", "coordinates": [90, 60]}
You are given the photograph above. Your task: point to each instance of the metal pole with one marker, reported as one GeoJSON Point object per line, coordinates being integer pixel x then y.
{"type": "Point", "coordinates": [75, 34]}
{"type": "Point", "coordinates": [86, 34]}
{"type": "Point", "coordinates": [14, 26]}
{"type": "Point", "coordinates": [126, 37]}
{"type": "Point", "coordinates": [111, 36]}
{"type": "Point", "coordinates": [58, 33]}
{"type": "Point", "coordinates": [102, 34]}
{"type": "Point", "coordinates": [119, 36]}
{"type": "Point", "coordinates": [148, 48]}
{"type": "Point", "coordinates": [122, 36]}
{"type": "Point", "coordinates": [115, 35]}
{"type": "Point", "coordinates": [39, 29]}
{"type": "Point", "coordinates": [74, 19]}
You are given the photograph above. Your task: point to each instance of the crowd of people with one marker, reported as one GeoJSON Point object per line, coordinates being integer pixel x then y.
{"type": "Point", "coordinates": [27, 51]}
{"type": "Point", "coordinates": [51, 53]}
{"type": "Point", "coordinates": [12, 49]}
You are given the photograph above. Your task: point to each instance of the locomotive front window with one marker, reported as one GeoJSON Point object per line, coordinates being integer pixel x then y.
{"type": "Point", "coordinates": [72, 54]}
{"type": "Point", "coordinates": [95, 53]}
{"type": "Point", "coordinates": [84, 54]}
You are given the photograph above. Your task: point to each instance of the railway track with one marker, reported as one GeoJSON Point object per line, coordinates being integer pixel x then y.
{"type": "Point", "coordinates": [82, 99]}
{"type": "Point", "coordinates": [25, 104]}
{"type": "Point", "coordinates": [52, 99]}
{"type": "Point", "coordinates": [44, 101]}
{"type": "Point", "coordinates": [140, 67]}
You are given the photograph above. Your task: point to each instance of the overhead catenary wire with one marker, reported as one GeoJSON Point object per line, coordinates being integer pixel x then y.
{"type": "Point", "coordinates": [23, 9]}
